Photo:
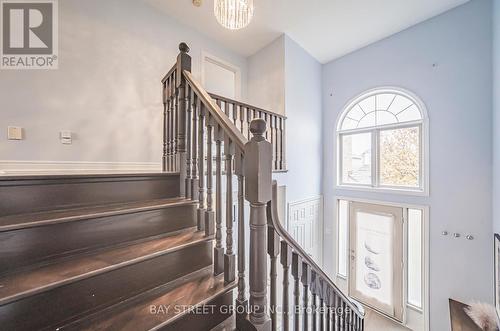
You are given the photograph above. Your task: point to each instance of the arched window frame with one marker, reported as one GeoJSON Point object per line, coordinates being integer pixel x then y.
{"type": "Point", "coordinates": [423, 189]}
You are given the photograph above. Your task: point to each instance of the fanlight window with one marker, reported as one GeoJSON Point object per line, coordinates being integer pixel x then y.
{"type": "Point", "coordinates": [381, 141]}
{"type": "Point", "coordinates": [381, 109]}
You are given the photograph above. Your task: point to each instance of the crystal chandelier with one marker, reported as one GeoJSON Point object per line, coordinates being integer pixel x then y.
{"type": "Point", "coordinates": [233, 14]}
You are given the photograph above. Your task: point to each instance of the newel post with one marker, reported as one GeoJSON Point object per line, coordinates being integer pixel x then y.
{"type": "Point", "coordinates": [183, 63]}
{"type": "Point", "coordinates": [258, 175]}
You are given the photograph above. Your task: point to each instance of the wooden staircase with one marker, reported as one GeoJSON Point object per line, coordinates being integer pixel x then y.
{"type": "Point", "coordinates": [147, 251]}
{"type": "Point", "coordinates": [117, 252]}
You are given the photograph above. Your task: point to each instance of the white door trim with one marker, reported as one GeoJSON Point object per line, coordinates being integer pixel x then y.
{"type": "Point", "coordinates": [207, 57]}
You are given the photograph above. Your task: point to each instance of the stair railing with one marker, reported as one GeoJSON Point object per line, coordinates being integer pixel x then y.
{"type": "Point", "coordinates": [193, 121]}
{"type": "Point", "coordinates": [242, 114]}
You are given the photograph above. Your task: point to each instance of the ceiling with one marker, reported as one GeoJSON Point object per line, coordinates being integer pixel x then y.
{"type": "Point", "coordinates": [327, 29]}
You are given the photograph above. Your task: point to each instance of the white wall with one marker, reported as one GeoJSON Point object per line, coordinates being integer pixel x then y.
{"type": "Point", "coordinates": [496, 116]}
{"type": "Point", "coordinates": [107, 89]}
{"type": "Point", "coordinates": [446, 61]}
{"type": "Point", "coordinates": [266, 77]}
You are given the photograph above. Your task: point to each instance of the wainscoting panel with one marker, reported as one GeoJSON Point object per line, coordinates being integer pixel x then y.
{"type": "Point", "coordinates": [305, 224]}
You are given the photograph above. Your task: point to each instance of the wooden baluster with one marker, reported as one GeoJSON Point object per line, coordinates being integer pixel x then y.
{"type": "Point", "coordinates": [218, 249]}
{"type": "Point", "coordinates": [229, 257]}
{"type": "Point", "coordinates": [273, 248]}
{"type": "Point", "coordinates": [258, 192]}
{"type": "Point", "coordinates": [189, 161]}
{"type": "Point", "coordinates": [344, 316]}
{"type": "Point", "coordinates": [175, 123]}
{"type": "Point", "coordinates": [209, 213]}
{"type": "Point", "coordinates": [241, 300]}
{"type": "Point", "coordinates": [278, 143]}
{"type": "Point", "coordinates": [321, 305]}
{"type": "Point", "coordinates": [351, 319]}
{"type": "Point", "coordinates": [306, 280]}
{"type": "Point", "coordinates": [196, 104]}
{"type": "Point", "coordinates": [165, 98]}
{"type": "Point", "coordinates": [235, 114]}
{"type": "Point", "coordinates": [314, 306]}
{"type": "Point", "coordinates": [286, 261]}
{"type": "Point", "coordinates": [242, 120]}
{"type": "Point", "coordinates": [170, 129]}
{"type": "Point", "coordinates": [338, 312]}
{"type": "Point", "coordinates": [265, 116]}
{"type": "Point", "coordinates": [249, 120]}
{"type": "Point", "coordinates": [183, 63]}
{"type": "Point", "coordinates": [273, 138]}
{"type": "Point", "coordinates": [226, 108]}
{"type": "Point", "coordinates": [297, 274]}
{"type": "Point", "coordinates": [201, 168]}
{"type": "Point", "coordinates": [329, 312]}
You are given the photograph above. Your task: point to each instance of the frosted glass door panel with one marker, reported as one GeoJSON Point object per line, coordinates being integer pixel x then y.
{"type": "Point", "coordinates": [374, 260]}
{"type": "Point", "coordinates": [376, 256]}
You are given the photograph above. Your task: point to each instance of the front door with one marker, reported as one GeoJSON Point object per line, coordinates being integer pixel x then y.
{"type": "Point", "coordinates": [376, 257]}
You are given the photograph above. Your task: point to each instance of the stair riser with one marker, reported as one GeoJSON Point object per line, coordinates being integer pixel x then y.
{"type": "Point", "coordinates": [24, 247]}
{"type": "Point", "coordinates": [34, 194]}
{"type": "Point", "coordinates": [95, 293]}
{"type": "Point", "coordinates": [214, 314]}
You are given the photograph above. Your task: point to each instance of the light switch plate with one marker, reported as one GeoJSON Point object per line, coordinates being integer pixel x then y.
{"type": "Point", "coordinates": [66, 137]}
{"type": "Point", "coordinates": [15, 133]}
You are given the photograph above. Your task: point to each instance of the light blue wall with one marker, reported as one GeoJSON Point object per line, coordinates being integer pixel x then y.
{"type": "Point", "coordinates": [303, 108]}
{"type": "Point", "coordinates": [295, 79]}
{"type": "Point", "coordinates": [446, 61]}
{"type": "Point", "coordinates": [496, 115]}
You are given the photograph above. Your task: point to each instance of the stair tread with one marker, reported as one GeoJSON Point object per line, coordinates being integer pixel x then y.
{"type": "Point", "coordinates": [135, 314]}
{"type": "Point", "coordinates": [14, 222]}
{"type": "Point", "coordinates": [16, 286]}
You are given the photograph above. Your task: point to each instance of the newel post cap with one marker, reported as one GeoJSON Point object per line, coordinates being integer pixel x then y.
{"type": "Point", "coordinates": [258, 127]}
{"type": "Point", "coordinates": [184, 48]}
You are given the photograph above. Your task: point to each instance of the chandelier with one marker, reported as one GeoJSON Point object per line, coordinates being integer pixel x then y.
{"type": "Point", "coordinates": [233, 14]}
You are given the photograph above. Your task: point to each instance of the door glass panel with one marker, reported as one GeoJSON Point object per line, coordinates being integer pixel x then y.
{"type": "Point", "coordinates": [357, 158]}
{"type": "Point", "coordinates": [374, 260]}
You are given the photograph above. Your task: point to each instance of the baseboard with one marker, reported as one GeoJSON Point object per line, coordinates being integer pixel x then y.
{"type": "Point", "coordinates": [13, 167]}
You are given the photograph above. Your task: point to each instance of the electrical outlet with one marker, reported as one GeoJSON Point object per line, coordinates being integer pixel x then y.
{"type": "Point", "coordinates": [15, 133]}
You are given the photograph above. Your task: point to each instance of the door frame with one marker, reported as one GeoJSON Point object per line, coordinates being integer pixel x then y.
{"type": "Point", "coordinates": [208, 57]}
{"type": "Point", "coordinates": [425, 254]}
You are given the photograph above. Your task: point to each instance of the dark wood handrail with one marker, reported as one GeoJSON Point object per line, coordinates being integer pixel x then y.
{"type": "Point", "coordinates": [221, 118]}
{"type": "Point", "coordinates": [163, 80]}
{"type": "Point", "coordinates": [245, 105]}
{"type": "Point", "coordinates": [274, 221]}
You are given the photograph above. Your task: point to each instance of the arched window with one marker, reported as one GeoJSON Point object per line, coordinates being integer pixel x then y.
{"type": "Point", "coordinates": [382, 137]}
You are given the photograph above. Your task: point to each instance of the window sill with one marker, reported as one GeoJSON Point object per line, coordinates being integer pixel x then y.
{"type": "Point", "coordinates": [388, 190]}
